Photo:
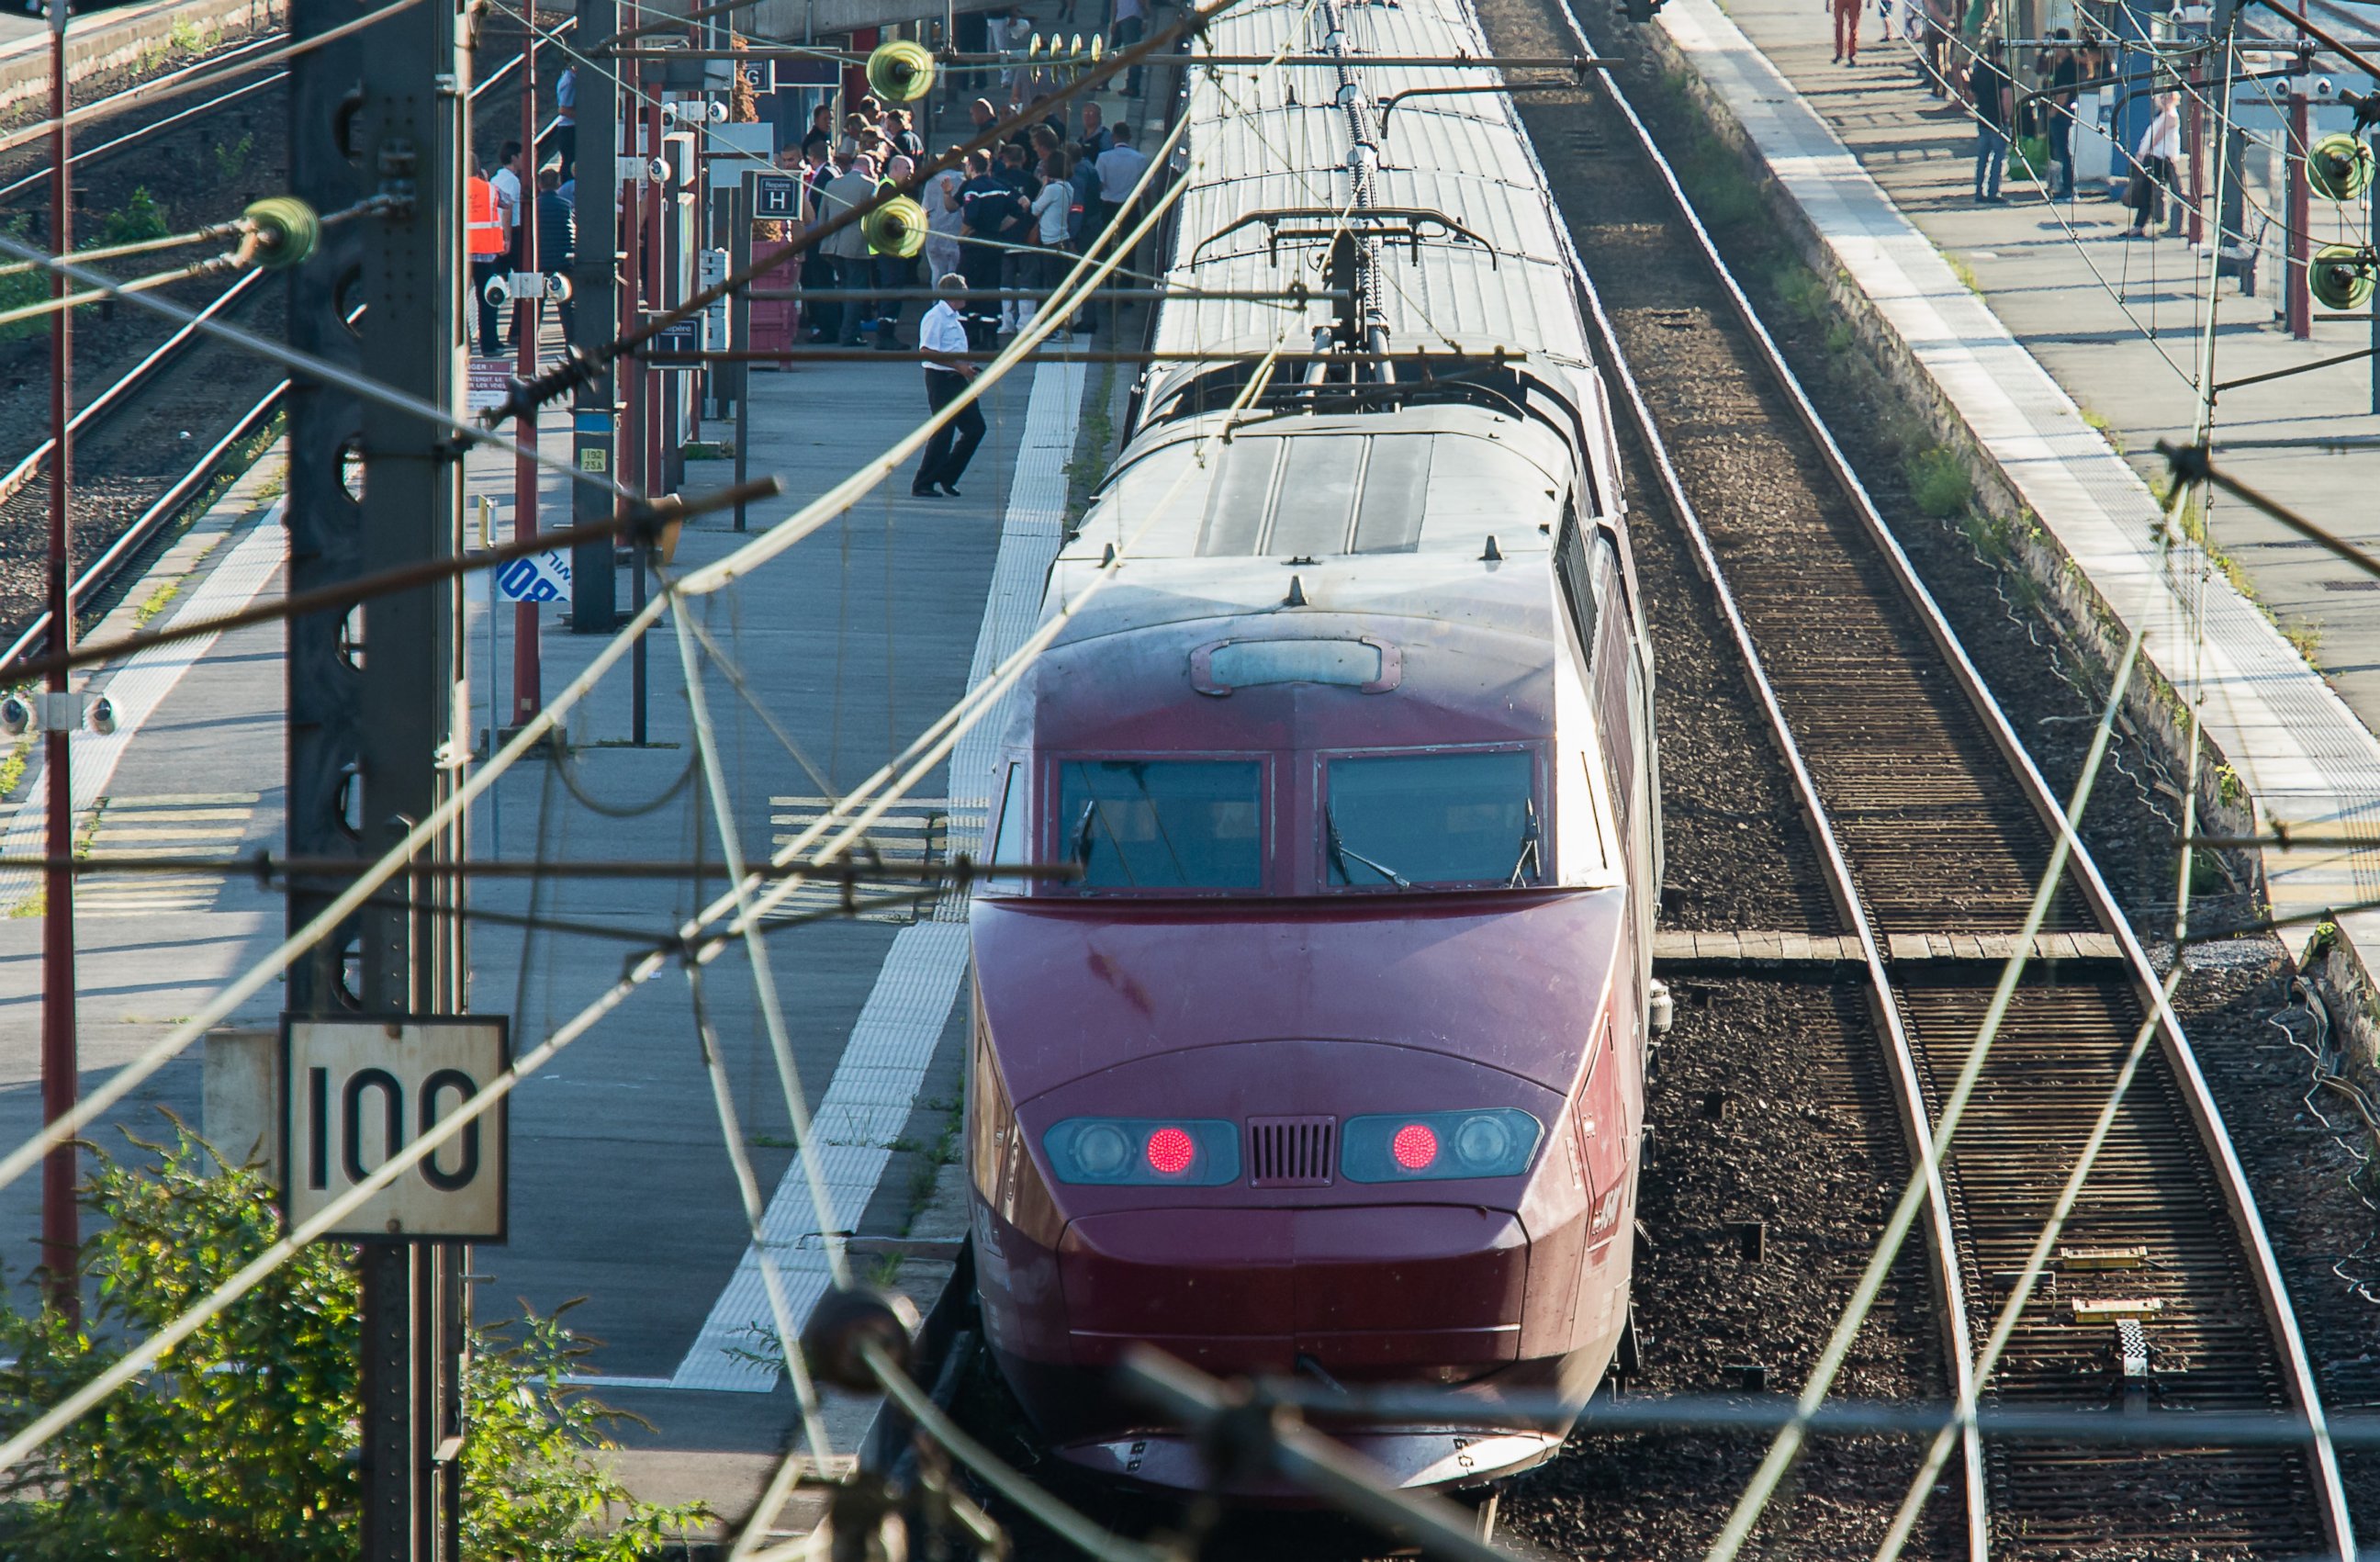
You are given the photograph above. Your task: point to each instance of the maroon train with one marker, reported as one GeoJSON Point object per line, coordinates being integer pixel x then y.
{"type": "Point", "coordinates": [1330, 1062]}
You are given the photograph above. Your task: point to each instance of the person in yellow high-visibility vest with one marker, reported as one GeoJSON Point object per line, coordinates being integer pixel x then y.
{"type": "Point", "coordinates": [484, 241]}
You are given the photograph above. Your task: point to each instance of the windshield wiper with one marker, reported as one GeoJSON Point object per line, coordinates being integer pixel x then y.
{"type": "Point", "coordinates": [1529, 858]}
{"type": "Point", "coordinates": [1083, 834]}
{"type": "Point", "coordinates": [1340, 851]}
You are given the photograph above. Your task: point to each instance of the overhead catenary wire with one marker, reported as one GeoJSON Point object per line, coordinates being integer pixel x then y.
{"type": "Point", "coordinates": [1089, 268]}
{"type": "Point", "coordinates": [167, 88]}
{"type": "Point", "coordinates": [1089, 271]}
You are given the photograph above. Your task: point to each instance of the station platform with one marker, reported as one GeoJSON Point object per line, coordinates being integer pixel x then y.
{"type": "Point", "coordinates": [621, 1191]}
{"type": "Point", "coordinates": [2065, 351]}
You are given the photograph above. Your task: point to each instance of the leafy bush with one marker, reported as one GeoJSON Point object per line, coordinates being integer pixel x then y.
{"type": "Point", "coordinates": [243, 1447]}
{"type": "Point", "coordinates": [1938, 484]}
{"type": "Point", "coordinates": [139, 218]}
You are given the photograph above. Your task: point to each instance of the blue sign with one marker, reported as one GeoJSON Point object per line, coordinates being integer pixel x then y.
{"type": "Point", "coordinates": [536, 577]}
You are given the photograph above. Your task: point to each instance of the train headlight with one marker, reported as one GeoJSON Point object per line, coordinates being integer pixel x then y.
{"type": "Point", "coordinates": [1184, 1152]}
{"type": "Point", "coordinates": [1430, 1146]}
{"type": "Point", "coordinates": [1101, 1149]}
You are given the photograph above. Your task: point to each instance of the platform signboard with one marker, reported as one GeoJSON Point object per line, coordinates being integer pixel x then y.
{"type": "Point", "coordinates": [541, 576]}
{"type": "Point", "coordinates": [355, 1091]}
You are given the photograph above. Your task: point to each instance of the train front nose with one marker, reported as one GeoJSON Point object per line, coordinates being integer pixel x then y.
{"type": "Point", "coordinates": [1392, 1293]}
{"type": "Point", "coordinates": [1404, 1289]}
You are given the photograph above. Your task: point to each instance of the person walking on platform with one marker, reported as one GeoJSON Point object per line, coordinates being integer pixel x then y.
{"type": "Point", "coordinates": [566, 120]}
{"type": "Point", "coordinates": [1988, 91]}
{"type": "Point", "coordinates": [2153, 169]}
{"type": "Point", "coordinates": [1847, 26]}
{"type": "Point", "coordinates": [483, 240]}
{"type": "Point", "coordinates": [557, 236]}
{"type": "Point", "coordinates": [2064, 71]}
{"type": "Point", "coordinates": [942, 338]}
{"type": "Point", "coordinates": [1130, 19]}
{"type": "Point", "coordinates": [846, 247]}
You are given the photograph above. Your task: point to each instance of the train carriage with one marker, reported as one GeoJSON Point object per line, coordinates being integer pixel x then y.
{"type": "Point", "coordinates": [1331, 1061]}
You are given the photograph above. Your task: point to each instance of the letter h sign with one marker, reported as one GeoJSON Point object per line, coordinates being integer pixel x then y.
{"type": "Point", "coordinates": [356, 1092]}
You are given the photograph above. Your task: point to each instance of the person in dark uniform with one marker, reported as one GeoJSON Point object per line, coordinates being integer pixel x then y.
{"type": "Point", "coordinates": [942, 338]}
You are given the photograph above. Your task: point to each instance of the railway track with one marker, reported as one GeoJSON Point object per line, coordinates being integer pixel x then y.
{"type": "Point", "coordinates": [157, 437]}
{"type": "Point", "coordinates": [1934, 825]}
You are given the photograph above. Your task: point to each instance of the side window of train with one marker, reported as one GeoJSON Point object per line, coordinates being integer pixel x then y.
{"type": "Point", "coordinates": [1008, 843]}
{"type": "Point", "coordinates": [1577, 588]}
{"type": "Point", "coordinates": [1612, 668]}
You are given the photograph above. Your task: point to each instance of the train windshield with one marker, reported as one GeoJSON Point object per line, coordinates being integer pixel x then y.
{"type": "Point", "coordinates": [1163, 824]}
{"type": "Point", "coordinates": [1393, 821]}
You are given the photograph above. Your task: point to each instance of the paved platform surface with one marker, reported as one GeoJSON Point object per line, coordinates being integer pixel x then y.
{"type": "Point", "coordinates": [1893, 209]}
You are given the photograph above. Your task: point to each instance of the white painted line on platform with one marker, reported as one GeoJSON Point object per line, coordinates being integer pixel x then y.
{"type": "Point", "coordinates": [883, 1065]}
{"type": "Point", "coordinates": [138, 687]}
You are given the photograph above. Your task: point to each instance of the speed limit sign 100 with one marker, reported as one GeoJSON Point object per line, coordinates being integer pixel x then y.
{"type": "Point", "coordinates": [356, 1092]}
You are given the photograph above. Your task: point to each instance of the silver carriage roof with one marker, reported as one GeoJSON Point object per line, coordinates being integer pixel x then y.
{"type": "Point", "coordinates": [1480, 284]}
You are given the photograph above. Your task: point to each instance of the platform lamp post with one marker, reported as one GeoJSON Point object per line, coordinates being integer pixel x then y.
{"type": "Point", "coordinates": [529, 695]}
{"type": "Point", "coordinates": [2297, 299]}
{"type": "Point", "coordinates": [60, 1076]}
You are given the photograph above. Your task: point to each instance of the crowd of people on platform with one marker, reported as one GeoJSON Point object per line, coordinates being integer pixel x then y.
{"type": "Point", "coordinates": [1015, 217]}
{"type": "Point", "coordinates": [501, 207]}
{"type": "Point", "coordinates": [2009, 103]}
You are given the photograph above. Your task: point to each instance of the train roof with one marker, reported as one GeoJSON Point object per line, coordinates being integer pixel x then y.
{"type": "Point", "coordinates": [1433, 479]}
{"type": "Point", "coordinates": [1467, 640]}
{"type": "Point", "coordinates": [1277, 140]}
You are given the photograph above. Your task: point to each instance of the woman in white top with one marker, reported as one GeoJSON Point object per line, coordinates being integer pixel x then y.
{"type": "Point", "coordinates": [1052, 208]}
{"type": "Point", "coordinates": [943, 216]}
{"type": "Point", "coordinates": [2154, 162]}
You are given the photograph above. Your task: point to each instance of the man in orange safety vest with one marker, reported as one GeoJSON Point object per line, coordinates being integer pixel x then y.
{"type": "Point", "coordinates": [483, 235]}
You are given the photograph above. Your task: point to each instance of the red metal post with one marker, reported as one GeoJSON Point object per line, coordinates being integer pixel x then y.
{"type": "Point", "coordinates": [2298, 298]}
{"type": "Point", "coordinates": [529, 688]}
{"type": "Point", "coordinates": [656, 279]}
{"type": "Point", "coordinates": [2194, 129]}
{"type": "Point", "coordinates": [60, 1077]}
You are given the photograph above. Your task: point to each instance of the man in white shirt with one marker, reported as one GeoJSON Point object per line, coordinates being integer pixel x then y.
{"type": "Point", "coordinates": [942, 338]}
{"type": "Point", "coordinates": [1120, 168]}
{"type": "Point", "coordinates": [506, 183]}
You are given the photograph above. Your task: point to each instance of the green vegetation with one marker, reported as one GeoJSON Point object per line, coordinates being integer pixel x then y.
{"type": "Point", "coordinates": [159, 599]}
{"type": "Point", "coordinates": [1724, 192]}
{"type": "Point", "coordinates": [12, 768]}
{"type": "Point", "coordinates": [1094, 449]}
{"type": "Point", "coordinates": [242, 1448]}
{"type": "Point", "coordinates": [231, 157]}
{"type": "Point", "coordinates": [188, 38]}
{"type": "Point", "coordinates": [138, 219]}
{"type": "Point", "coordinates": [1939, 483]}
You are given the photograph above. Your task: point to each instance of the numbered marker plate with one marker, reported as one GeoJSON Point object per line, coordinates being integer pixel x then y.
{"type": "Point", "coordinates": [356, 1091]}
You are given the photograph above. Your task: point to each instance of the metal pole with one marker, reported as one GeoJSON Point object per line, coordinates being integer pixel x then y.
{"type": "Point", "coordinates": [496, 724]}
{"type": "Point", "coordinates": [409, 132]}
{"type": "Point", "coordinates": [740, 325]}
{"type": "Point", "coordinates": [2372, 236]}
{"type": "Point", "coordinates": [2297, 299]}
{"type": "Point", "coordinates": [594, 309]}
{"type": "Point", "coordinates": [60, 1079]}
{"type": "Point", "coordinates": [635, 387]}
{"type": "Point", "coordinates": [529, 696]}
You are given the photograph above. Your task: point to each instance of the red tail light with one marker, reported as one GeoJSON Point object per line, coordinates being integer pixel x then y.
{"type": "Point", "coordinates": [1414, 1146]}
{"type": "Point", "coordinates": [1171, 1151]}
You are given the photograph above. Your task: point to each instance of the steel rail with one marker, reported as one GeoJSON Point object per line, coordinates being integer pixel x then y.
{"type": "Point", "coordinates": [1908, 1095]}
{"type": "Point", "coordinates": [104, 148]}
{"type": "Point", "coordinates": [2206, 1118]}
